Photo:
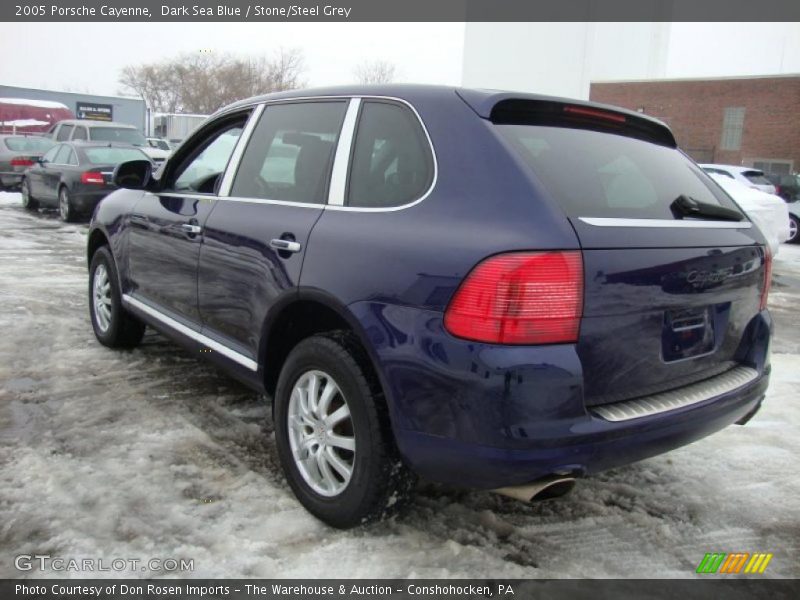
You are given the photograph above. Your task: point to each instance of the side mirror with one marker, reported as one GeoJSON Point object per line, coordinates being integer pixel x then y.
{"type": "Point", "coordinates": [133, 174]}
{"type": "Point", "coordinates": [41, 160]}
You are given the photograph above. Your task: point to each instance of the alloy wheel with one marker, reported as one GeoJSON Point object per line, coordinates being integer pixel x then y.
{"type": "Point", "coordinates": [102, 298]}
{"type": "Point", "coordinates": [63, 204]}
{"type": "Point", "coordinates": [321, 434]}
{"type": "Point", "coordinates": [26, 194]}
{"type": "Point", "coordinates": [792, 229]}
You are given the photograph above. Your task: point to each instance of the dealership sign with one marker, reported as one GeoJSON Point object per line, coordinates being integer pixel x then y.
{"type": "Point", "coordinates": [94, 112]}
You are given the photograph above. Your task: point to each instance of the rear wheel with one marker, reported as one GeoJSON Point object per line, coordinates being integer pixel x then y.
{"type": "Point", "coordinates": [113, 326]}
{"type": "Point", "coordinates": [28, 201]}
{"type": "Point", "coordinates": [65, 208]}
{"type": "Point", "coordinates": [333, 435]}
{"type": "Point", "coordinates": [794, 223]}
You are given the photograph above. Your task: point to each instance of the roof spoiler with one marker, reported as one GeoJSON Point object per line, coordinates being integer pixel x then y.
{"type": "Point", "coordinates": [521, 109]}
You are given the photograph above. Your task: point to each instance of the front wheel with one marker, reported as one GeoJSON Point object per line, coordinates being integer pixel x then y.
{"type": "Point", "coordinates": [28, 201]}
{"type": "Point", "coordinates": [333, 434]}
{"type": "Point", "coordinates": [113, 326]}
{"type": "Point", "coordinates": [794, 222]}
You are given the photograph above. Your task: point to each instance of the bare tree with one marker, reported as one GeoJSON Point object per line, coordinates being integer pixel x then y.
{"type": "Point", "coordinates": [204, 82]}
{"type": "Point", "coordinates": [375, 71]}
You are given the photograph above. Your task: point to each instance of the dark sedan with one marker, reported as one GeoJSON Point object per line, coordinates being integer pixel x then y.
{"type": "Point", "coordinates": [74, 177]}
{"type": "Point", "coordinates": [17, 153]}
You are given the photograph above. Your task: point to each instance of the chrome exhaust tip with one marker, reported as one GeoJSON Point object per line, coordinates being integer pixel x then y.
{"type": "Point", "coordinates": [554, 486]}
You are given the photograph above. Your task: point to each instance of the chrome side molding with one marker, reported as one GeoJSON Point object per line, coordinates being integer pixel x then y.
{"type": "Point", "coordinates": [235, 356]}
{"type": "Point", "coordinates": [679, 398]}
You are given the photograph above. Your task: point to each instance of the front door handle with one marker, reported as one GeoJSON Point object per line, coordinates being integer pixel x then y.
{"type": "Point", "coordinates": [285, 245]}
{"type": "Point", "coordinates": [191, 229]}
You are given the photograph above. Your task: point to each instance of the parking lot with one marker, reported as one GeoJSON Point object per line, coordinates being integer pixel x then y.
{"type": "Point", "coordinates": [154, 454]}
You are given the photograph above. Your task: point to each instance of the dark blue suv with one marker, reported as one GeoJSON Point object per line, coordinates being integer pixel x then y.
{"type": "Point", "coordinates": [495, 290]}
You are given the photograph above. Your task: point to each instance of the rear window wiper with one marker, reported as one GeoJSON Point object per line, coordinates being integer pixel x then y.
{"type": "Point", "coordinates": [686, 206]}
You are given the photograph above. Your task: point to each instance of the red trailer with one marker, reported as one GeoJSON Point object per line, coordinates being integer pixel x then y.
{"type": "Point", "coordinates": [23, 115]}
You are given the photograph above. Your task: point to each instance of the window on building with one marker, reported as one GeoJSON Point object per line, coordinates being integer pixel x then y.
{"type": "Point", "coordinates": [732, 127]}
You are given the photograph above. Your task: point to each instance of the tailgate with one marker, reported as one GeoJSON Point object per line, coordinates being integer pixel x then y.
{"type": "Point", "coordinates": [673, 269]}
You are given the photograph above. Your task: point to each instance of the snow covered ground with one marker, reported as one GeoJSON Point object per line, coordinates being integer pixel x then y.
{"type": "Point", "coordinates": [154, 454]}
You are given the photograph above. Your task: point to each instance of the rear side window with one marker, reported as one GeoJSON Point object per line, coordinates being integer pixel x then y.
{"type": "Point", "coordinates": [62, 158]}
{"type": "Point", "coordinates": [63, 133]}
{"type": "Point", "coordinates": [756, 177]}
{"type": "Point", "coordinates": [80, 134]}
{"type": "Point", "coordinates": [594, 174]}
{"type": "Point", "coordinates": [290, 153]}
{"type": "Point", "coordinates": [392, 164]}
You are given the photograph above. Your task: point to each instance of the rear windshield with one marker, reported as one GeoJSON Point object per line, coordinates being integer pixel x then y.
{"type": "Point", "coordinates": [756, 177]}
{"type": "Point", "coordinates": [593, 174]}
{"type": "Point", "coordinates": [28, 144]}
{"type": "Point", "coordinates": [117, 134]}
{"type": "Point", "coordinates": [113, 156]}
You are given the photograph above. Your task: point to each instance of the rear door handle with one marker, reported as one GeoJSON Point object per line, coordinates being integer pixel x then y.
{"type": "Point", "coordinates": [285, 245]}
{"type": "Point", "coordinates": [190, 228]}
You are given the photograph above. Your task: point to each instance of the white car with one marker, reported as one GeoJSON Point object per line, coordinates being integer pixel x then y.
{"type": "Point", "coordinates": [794, 222]}
{"type": "Point", "coordinates": [157, 149]}
{"type": "Point", "coordinates": [747, 176]}
{"type": "Point", "coordinates": [768, 211]}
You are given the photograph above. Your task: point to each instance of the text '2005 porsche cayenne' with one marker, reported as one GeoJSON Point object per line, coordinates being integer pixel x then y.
{"type": "Point", "coordinates": [493, 290]}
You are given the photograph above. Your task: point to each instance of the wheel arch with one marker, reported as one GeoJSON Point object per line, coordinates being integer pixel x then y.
{"type": "Point", "coordinates": [306, 313]}
{"type": "Point", "coordinates": [97, 238]}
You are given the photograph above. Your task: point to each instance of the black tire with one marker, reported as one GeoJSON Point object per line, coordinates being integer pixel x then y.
{"type": "Point", "coordinates": [380, 482]}
{"type": "Point", "coordinates": [794, 237]}
{"type": "Point", "coordinates": [65, 209]}
{"type": "Point", "coordinates": [28, 201]}
{"type": "Point", "coordinates": [123, 330]}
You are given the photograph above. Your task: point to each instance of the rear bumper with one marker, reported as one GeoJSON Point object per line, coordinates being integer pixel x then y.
{"type": "Point", "coordinates": [10, 180]}
{"type": "Point", "coordinates": [486, 416]}
{"type": "Point", "coordinates": [584, 446]}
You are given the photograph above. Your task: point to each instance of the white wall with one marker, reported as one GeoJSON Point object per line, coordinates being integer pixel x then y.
{"type": "Point", "coordinates": [563, 58]}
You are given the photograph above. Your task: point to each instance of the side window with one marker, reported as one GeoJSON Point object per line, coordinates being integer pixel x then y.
{"type": "Point", "coordinates": [73, 158]}
{"type": "Point", "coordinates": [63, 133]}
{"type": "Point", "coordinates": [290, 153]}
{"type": "Point", "coordinates": [202, 169]}
{"type": "Point", "coordinates": [392, 163]}
{"type": "Point", "coordinates": [62, 158]}
{"type": "Point", "coordinates": [80, 134]}
{"type": "Point", "coordinates": [50, 155]}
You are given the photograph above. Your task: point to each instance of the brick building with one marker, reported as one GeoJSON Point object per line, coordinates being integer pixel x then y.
{"type": "Point", "coordinates": [753, 121]}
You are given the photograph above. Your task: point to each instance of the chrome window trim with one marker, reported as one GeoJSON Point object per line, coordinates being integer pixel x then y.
{"type": "Point", "coordinates": [341, 159]}
{"type": "Point", "coordinates": [227, 352]}
{"type": "Point", "coordinates": [361, 98]}
{"type": "Point", "coordinates": [656, 223]}
{"type": "Point", "coordinates": [238, 150]}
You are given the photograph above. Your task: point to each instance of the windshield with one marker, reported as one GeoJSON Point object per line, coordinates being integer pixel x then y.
{"type": "Point", "coordinates": [593, 174]}
{"type": "Point", "coordinates": [28, 144]}
{"type": "Point", "coordinates": [123, 135]}
{"type": "Point", "coordinates": [113, 156]}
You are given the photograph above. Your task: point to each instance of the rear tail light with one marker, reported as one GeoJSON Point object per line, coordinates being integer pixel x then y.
{"type": "Point", "coordinates": [92, 177]}
{"type": "Point", "coordinates": [777, 190]}
{"type": "Point", "coordinates": [520, 298]}
{"type": "Point", "coordinates": [767, 277]}
{"type": "Point", "coordinates": [20, 161]}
